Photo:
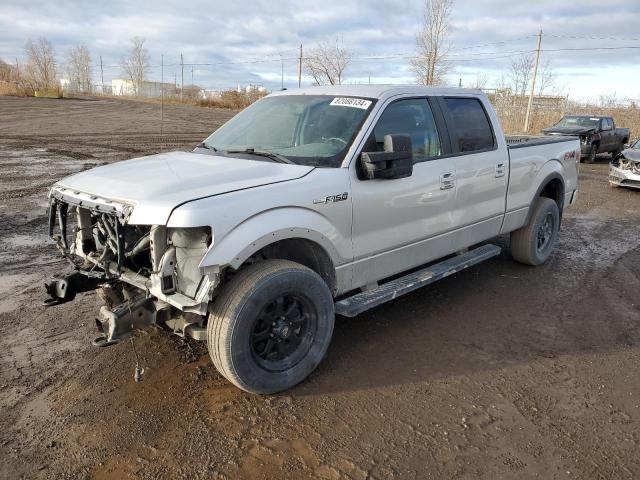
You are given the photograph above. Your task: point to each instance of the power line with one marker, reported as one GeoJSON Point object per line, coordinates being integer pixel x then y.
{"type": "Point", "coordinates": [593, 37]}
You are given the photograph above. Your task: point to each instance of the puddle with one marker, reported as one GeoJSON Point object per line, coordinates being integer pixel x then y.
{"type": "Point", "coordinates": [37, 163]}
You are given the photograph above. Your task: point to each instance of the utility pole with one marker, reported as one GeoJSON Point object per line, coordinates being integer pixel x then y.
{"type": "Point", "coordinates": [300, 68]}
{"type": "Point", "coordinates": [533, 83]}
{"type": "Point", "coordinates": [101, 77]}
{"type": "Point", "coordinates": [161, 91]}
{"type": "Point", "coordinates": [369, 78]}
{"type": "Point", "coordinates": [281, 73]}
{"type": "Point", "coordinates": [181, 76]}
{"type": "Point", "coordinates": [192, 75]}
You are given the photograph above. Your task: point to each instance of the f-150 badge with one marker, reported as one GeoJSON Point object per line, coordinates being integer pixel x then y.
{"type": "Point", "coordinates": [332, 198]}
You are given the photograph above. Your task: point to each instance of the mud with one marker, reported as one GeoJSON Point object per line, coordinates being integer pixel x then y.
{"type": "Point", "coordinates": [500, 371]}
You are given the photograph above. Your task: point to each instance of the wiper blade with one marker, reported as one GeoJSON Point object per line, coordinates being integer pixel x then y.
{"type": "Point", "coordinates": [262, 153]}
{"type": "Point", "coordinates": [207, 146]}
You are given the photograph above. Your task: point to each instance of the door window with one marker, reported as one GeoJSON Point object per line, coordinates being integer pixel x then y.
{"type": "Point", "coordinates": [414, 118]}
{"type": "Point", "coordinates": [471, 129]}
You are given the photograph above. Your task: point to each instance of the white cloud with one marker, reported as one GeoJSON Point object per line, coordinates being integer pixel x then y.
{"type": "Point", "coordinates": [213, 32]}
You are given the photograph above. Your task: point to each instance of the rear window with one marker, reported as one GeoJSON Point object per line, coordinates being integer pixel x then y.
{"type": "Point", "coordinates": [471, 129]}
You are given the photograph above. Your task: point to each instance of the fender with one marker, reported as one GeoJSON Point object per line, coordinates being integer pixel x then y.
{"type": "Point", "coordinates": [520, 200]}
{"type": "Point", "coordinates": [270, 226]}
{"type": "Point", "coordinates": [556, 173]}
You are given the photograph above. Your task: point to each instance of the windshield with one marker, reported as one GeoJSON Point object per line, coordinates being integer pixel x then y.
{"type": "Point", "coordinates": [314, 130]}
{"type": "Point", "coordinates": [590, 122]}
{"type": "Point", "coordinates": [636, 146]}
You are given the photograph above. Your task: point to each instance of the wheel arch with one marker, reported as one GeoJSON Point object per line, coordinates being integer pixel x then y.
{"type": "Point", "coordinates": [261, 236]}
{"type": "Point", "coordinates": [552, 186]}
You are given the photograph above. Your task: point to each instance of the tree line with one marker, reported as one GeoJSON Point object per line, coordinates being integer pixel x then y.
{"type": "Point", "coordinates": [41, 70]}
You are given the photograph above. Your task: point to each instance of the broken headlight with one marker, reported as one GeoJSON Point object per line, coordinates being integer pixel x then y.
{"type": "Point", "coordinates": [179, 265]}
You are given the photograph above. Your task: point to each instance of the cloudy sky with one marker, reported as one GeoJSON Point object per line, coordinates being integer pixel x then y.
{"type": "Point", "coordinates": [592, 45]}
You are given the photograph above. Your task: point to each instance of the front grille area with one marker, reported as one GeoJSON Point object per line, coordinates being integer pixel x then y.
{"type": "Point", "coordinates": [93, 239]}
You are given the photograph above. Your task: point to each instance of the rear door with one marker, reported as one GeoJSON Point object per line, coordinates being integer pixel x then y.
{"type": "Point", "coordinates": [482, 170]}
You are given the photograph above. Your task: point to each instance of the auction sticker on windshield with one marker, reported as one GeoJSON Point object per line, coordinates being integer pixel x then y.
{"type": "Point", "coordinates": [351, 102]}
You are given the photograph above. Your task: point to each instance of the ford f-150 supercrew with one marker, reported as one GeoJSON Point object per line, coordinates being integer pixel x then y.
{"type": "Point", "coordinates": [307, 204]}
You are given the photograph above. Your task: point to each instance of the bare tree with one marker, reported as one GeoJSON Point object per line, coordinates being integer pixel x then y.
{"type": "Point", "coordinates": [480, 81]}
{"type": "Point", "coordinates": [41, 64]}
{"type": "Point", "coordinates": [521, 73]}
{"type": "Point", "coordinates": [7, 72]}
{"type": "Point", "coordinates": [136, 65]}
{"type": "Point", "coordinates": [546, 78]}
{"type": "Point", "coordinates": [327, 63]}
{"type": "Point", "coordinates": [79, 69]}
{"type": "Point", "coordinates": [432, 42]}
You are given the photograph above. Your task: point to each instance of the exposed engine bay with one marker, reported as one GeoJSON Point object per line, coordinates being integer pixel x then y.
{"type": "Point", "coordinates": [145, 274]}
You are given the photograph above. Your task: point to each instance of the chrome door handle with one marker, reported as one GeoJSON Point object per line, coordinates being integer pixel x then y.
{"type": "Point", "coordinates": [500, 170]}
{"type": "Point", "coordinates": [447, 180]}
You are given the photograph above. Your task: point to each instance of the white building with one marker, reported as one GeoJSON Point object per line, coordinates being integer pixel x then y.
{"type": "Point", "coordinates": [125, 87]}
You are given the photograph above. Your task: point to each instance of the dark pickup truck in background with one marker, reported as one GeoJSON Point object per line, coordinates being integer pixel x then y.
{"type": "Point", "coordinates": [597, 134]}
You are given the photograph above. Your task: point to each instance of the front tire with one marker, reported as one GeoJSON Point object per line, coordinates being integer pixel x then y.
{"type": "Point", "coordinates": [271, 326]}
{"type": "Point", "coordinates": [533, 243]}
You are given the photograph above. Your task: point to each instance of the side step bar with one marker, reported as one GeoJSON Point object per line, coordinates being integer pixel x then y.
{"type": "Point", "coordinates": [356, 304]}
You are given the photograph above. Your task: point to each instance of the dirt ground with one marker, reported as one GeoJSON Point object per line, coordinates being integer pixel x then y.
{"type": "Point", "coordinates": [501, 371]}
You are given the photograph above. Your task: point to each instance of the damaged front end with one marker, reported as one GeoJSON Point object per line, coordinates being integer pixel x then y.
{"type": "Point", "coordinates": [625, 172]}
{"type": "Point", "coordinates": [145, 274]}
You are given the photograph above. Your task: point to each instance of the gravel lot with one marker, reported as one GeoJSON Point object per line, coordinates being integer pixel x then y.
{"type": "Point", "coordinates": [501, 371]}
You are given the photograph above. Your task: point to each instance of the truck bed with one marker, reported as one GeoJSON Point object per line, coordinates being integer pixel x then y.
{"type": "Point", "coordinates": [519, 141]}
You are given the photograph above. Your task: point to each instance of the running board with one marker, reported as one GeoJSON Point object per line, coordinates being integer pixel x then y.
{"type": "Point", "coordinates": [352, 306]}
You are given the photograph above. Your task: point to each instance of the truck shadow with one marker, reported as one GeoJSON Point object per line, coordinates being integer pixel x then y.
{"type": "Point", "coordinates": [493, 316]}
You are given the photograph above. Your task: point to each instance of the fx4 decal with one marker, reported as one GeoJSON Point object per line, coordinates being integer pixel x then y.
{"type": "Point", "coordinates": [340, 197]}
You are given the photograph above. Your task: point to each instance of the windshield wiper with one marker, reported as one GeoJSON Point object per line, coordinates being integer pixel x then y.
{"type": "Point", "coordinates": [262, 153]}
{"type": "Point", "coordinates": [207, 146]}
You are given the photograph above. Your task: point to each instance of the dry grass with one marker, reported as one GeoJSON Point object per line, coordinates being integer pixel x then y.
{"type": "Point", "coordinates": [15, 89]}
{"type": "Point", "coordinates": [625, 114]}
{"type": "Point", "coordinates": [232, 99]}
{"type": "Point", "coordinates": [228, 99]}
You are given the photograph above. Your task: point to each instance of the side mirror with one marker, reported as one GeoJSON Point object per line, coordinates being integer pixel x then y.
{"type": "Point", "coordinates": [395, 162]}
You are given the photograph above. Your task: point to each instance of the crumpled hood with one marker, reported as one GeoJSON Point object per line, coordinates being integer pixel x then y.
{"type": "Point", "coordinates": [577, 130]}
{"type": "Point", "coordinates": [156, 184]}
{"type": "Point", "coordinates": [632, 154]}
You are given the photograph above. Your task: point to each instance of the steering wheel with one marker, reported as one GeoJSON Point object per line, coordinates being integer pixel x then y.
{"type": "Point", "coordinates": [338, 139]}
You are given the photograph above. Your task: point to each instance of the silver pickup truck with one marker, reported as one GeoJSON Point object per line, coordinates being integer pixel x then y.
{"type": "Point", "coordinates": [309, 203]}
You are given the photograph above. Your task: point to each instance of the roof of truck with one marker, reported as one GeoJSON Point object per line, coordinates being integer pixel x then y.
{"type": "Point", "coordinates": [376, 91]}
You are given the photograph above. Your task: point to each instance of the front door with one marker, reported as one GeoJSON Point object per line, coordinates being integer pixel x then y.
{"type": "Point", "coordinates": [401, 223]}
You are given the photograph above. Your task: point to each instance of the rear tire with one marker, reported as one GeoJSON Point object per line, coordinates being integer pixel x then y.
{"type": "Point", "coordinates": [533, 243]}
{"type": "Point", "coordinates": [271, 326]}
